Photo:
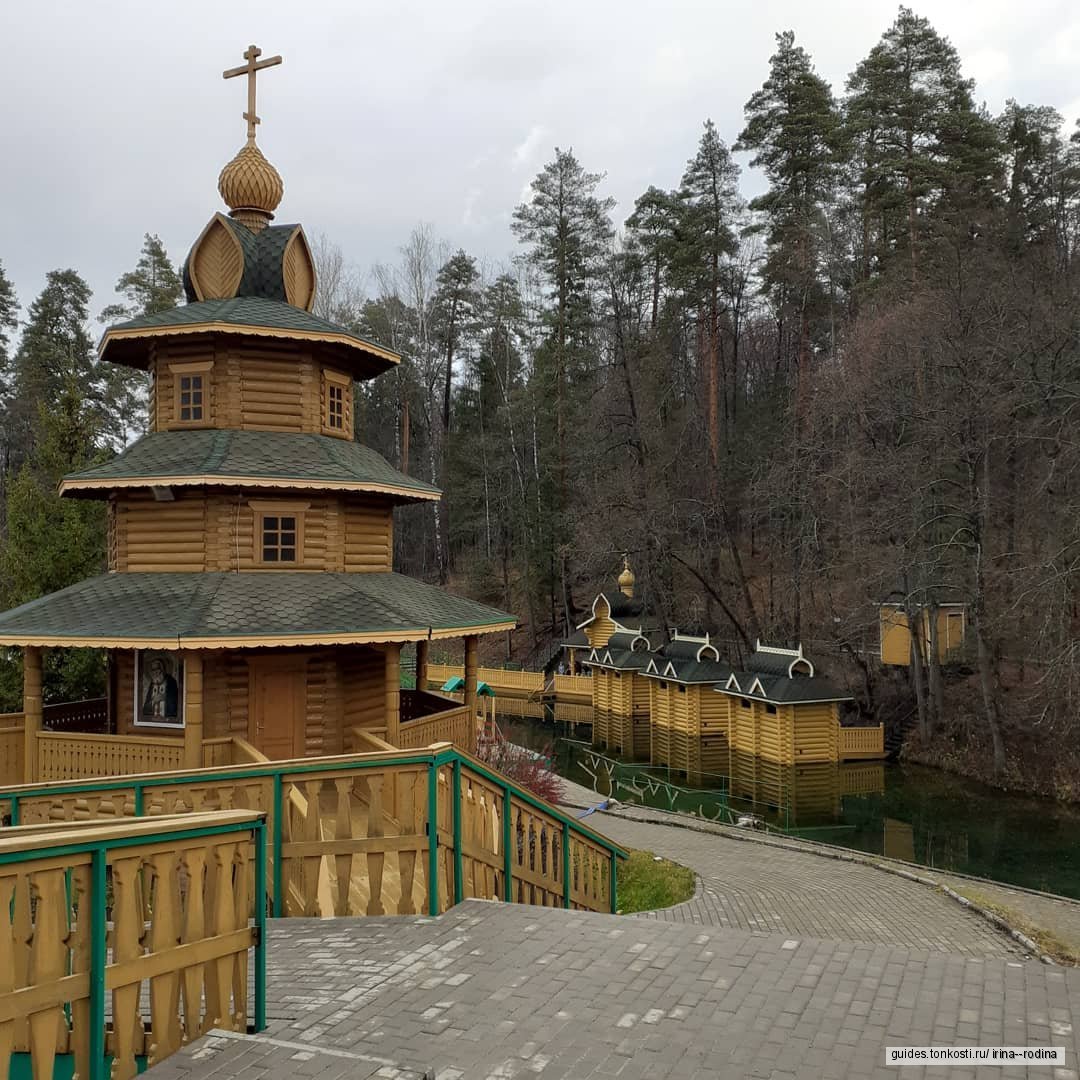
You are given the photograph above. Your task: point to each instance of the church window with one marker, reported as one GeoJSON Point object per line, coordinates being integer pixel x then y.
{"type": "Point", "coordinates": [279, 533]}
{"type": "Point", "coordinates": [191, 383]}
{"type": "Point", "coordinates": [337, 404]}
{"type": "Point", "coordinates": [335, 408]}
{"type": "Point", "coordinates": [279, 538]}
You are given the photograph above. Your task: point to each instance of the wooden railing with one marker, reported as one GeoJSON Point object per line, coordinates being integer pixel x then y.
{"type": "Point", "coordinates": [11, 749]}
{"type": "Point", "coordinates": [862, 742]}
{"type": "Point", "coordinates": [90, 717]}
{"type": "Point", "coordinates": [574, 689]}
{"type": "Point", "coordinates": [521, 683]}
{"type": "Point", "coordinates": [450, 725]}
{"type": "Point", "coordinates": [160, 914]}
{"type": "Point", "coordinates": [69, 756]}
{"type": "Point", "coordinates": [396, 831]}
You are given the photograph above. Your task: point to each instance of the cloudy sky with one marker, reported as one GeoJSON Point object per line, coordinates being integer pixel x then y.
{"type": "Point", "coordinates": [116, 121]}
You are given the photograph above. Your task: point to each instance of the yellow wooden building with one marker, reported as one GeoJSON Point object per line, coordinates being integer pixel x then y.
{"type": "Point", "coordinates": [615, 611]}
{"type": "Point", "coordinates": [895, 633]}
{"type": "Point", "coordinates": [681, 707]}
{"type": "Point", "coordinates": [250, 590]}
{"type": "Point", "coordinates": [620, 701]}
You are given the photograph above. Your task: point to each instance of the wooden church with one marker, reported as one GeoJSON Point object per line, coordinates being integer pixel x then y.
{"type": "Point", "coordinates": [250, 589]}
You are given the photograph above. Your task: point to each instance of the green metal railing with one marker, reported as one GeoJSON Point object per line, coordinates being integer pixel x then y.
{"type": "Point", "coordinates": [433, 758]}
{"type": "Point", "coordinates": [60, 840]}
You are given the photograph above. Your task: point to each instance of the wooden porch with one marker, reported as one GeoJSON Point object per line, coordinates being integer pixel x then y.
{"type": "Point", "coordinates": [74, 741]}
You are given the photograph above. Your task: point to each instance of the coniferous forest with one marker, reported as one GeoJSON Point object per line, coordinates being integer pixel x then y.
{"type": "Point", "coordinates": [856, 387]}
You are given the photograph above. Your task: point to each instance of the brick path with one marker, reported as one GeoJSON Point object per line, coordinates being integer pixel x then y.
{"type": "Point", "coordinates": [503, 991]}
{"type": "Point", "coordinates": [790, 889]}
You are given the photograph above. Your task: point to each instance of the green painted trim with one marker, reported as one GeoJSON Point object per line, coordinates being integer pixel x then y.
{"type": "Point", "coordinates": [433, 838]}
{"type": "Point", "coordinates": [14, 800]}
{"type": "Point", "coordinates": [139, 811]}
{"type": "Point", "coordinates": [544, 808]}
{"type": "Point", "coordinates": [122, 842]}
{"type": "Point", "coordinates": [204, 777]}
{"type": "Point", "coordinates": [279, 874]}
{"type": "Point", "coordinates": [566, 864]}
{"type": "Point", "coordinates": [459, 870]}
{"type": "Point", "coordinates": [508, 860]}
{"type": "Point", "coordinates": [260, 926]}
{"type": "Point", "coordinates": [98, 930]}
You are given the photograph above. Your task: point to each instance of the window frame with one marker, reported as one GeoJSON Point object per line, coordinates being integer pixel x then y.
{"type": "Point", "coordinates": [264, 508]}
{"type": "Point", "coordinates": [331, 378]}
{"type": "Point", "coordinates": [201, 368]}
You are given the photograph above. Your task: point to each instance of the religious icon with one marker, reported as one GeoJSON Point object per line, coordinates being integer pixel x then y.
{"type": "Point", "coordinates": [159, 683]}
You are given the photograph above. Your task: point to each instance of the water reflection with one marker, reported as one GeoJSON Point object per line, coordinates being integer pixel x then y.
{"type": "Point", "coordinates": [907, 812]}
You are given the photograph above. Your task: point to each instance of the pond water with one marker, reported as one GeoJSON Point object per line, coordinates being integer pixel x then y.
{"type": "Point", "coordinates": [908, 812]}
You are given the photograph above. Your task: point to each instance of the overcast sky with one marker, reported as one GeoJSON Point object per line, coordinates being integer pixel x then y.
{"type": "Point", "coordinates": [116, 121]}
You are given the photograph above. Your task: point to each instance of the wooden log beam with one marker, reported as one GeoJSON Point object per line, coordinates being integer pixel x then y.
{"type": "Point", "coordinates": [392, 691]}
{"type": "Point", "coordinates": [193, 710]}
{"type": "Point", "coordinates": [421, 665]}
{"type": "Point", "coordinates": [32, 709]}
{"type": "Point", "coordinates": [471, 653]}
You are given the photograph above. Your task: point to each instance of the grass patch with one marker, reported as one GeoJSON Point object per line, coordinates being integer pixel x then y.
{"type": "Point", "coordinates": [646, 883]}
{"type": "Point", "coordinates": [1064, 952]}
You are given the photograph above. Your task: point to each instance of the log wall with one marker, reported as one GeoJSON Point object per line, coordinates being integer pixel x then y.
{"type": "Point", "coordinates": [201, 531]}
{"type": "Point", "coordinates": [343, 689]}
{"type": "Point", "coordinates": [255, 385]}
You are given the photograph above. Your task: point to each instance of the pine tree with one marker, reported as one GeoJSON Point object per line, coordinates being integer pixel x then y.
{"type": "Point", "coordinates": [453, 315]}
{"type": "Point", "coordinates": [709, 204]}
{"type": "Point", "coordinates": [52, 542]}
{"type": "Point", "coordinates": [568, 231]}
{"type": "Point", "coordinates": [923, 148]}
{"type": "Point", "coordinates": [654, 230]}
{"type": "Point", "coordinates": [793, 127]}
{"type": "Point", "coordinates": [55, 350]}
{"type": "Point", "coordinates": [9, 320]}
{"type": "Point", "coordinates": [153, 286]}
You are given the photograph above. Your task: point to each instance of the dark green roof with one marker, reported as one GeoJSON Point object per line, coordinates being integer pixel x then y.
{"type": "Point", "coordinates": [243, 314]}
{"type": "Point", "coordinates": [262, 458]}
{"type": "Point", "coordinates": [783, 690]}
{"type": "Point", "coordinates": [270, 607]}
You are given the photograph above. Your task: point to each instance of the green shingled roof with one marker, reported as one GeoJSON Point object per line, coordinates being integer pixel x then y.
{"type": "Point", "coordinates": [216, 609]}
{"type": "Point", "coordinates": [261, 458]}
{"type": "Point", "coordinates": [242, 314]}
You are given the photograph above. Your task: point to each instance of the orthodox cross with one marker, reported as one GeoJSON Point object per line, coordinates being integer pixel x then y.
{"type": "Point", "coordinates": [253, 65]}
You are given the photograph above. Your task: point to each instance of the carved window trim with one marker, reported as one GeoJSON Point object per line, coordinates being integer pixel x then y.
{"type": "Point", "coordinates": [275, 510]}
{"type": "Point", "coordinates": [197, 369]}
{"type": "Point", "coordinates": [336, 387]}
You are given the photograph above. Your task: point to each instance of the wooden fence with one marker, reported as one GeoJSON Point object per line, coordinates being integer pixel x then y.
{"type": "Point", "coordinates": [862, 742]}
{"type": "Point", "coordinates": [161, 914]}
{"type": "Point", "coordinates": [511, 683]}
{"type": "Point", "coordinates": [450, 725]}
{"type": "Point", "coordinates": [391, 832]}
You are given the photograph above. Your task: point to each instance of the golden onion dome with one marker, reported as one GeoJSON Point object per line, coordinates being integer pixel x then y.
{"type": "Point", "coordinates": [251, 187]}
{"type": "Point", "coordinates": [626, 578]}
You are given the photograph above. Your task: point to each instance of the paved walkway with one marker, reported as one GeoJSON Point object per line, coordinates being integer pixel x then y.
{"type": "Point", "coordinates": [790, 889]}
{"type": "Point", "coordinates": [503, 991]}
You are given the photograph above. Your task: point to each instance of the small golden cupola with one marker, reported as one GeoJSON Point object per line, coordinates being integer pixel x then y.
{"type": "Point", "coordinates": [626, 578]}
{"type": "Point", "coordinates": [251, 187]}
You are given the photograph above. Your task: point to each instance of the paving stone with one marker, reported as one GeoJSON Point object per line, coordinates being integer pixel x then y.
{"type": "Point", "coordinates": [515, 1017]}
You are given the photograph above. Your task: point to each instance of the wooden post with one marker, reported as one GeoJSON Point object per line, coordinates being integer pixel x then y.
{"type": "Point", "coordinates": [193, 710]}
{"type": "Point", "coordinates": [392, 692]}
{"type": "Point", "coordinates": [421, 665]}
{"type": "Point", "coordinates": [31, 711]}
{"type": "Point", "coordinates": [573, 664]}
{"type": "Point", "coordinates": [470, 688]}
